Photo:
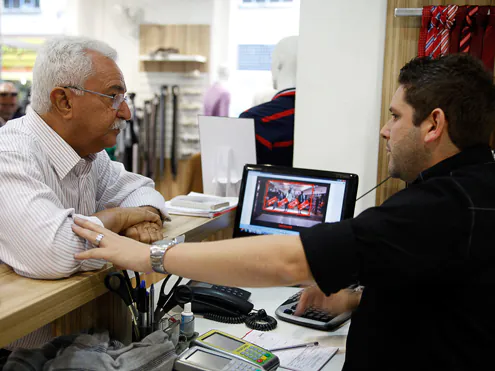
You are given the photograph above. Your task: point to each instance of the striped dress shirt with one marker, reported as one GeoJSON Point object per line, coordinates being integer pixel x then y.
{"type": "Point", "coordinates": [44, 183]}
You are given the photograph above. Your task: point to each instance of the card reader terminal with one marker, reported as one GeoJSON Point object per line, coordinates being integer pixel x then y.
{"type": "Point", "coordinates": [238, 348]}
{"type": "Point", "coordinates": [203, 359]}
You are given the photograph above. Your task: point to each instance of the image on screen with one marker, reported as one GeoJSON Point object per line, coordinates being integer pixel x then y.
{"type": "Point", "coordinates": [287, 204]}
{"type": "Point", "coordinates": [290, 204]}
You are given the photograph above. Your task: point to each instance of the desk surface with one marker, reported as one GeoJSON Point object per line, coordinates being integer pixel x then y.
{"type": "Point", "coordinates": [269, 299]}
{"type": "Point", "coordinates": [27, 304]}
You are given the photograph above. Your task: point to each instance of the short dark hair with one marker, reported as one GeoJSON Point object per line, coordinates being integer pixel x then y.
{"type": "Point", "coordinates": [461, 86]}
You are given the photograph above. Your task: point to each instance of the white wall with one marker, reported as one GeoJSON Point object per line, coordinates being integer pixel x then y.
{"type": "Point", "coordinates": [48, 22]}
{"type": "Point", "coordinates": [258, 25]}
{"type": "Point", "coordinates": [339, 83]}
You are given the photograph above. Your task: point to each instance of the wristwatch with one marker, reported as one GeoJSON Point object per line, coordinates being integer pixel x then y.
{"type": "Point", "coordinates": [158, 250]}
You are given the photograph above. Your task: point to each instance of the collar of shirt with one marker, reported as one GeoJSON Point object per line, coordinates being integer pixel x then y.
{"type": "Point", "coordinates": [291, 92]}
{"type": "Point", "coordinates": [61, 154]}
{"type": "Point", "coordinates": [479, 154]}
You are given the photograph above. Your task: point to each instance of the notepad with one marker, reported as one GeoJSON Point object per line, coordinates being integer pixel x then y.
{"type": "Point", "coordinates": [199, 202]}
{"type": "Point", "coordinates": [231, 203]}
{"type": "Point", "coordinates": [298, 359]}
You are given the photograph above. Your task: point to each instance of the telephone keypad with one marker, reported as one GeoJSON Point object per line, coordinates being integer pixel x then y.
{"type": "Point", "coordinates": [243, 294]}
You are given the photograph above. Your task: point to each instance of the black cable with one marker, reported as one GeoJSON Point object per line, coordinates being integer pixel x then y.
{"type": "Point", "coordinates": [225, 319]}
{"type": "Point", "coordinates": [261, 321]}
{"type": "Point", "coordinates": [375, 187]}
{"type": "Point", "coordinates": [256, 320]}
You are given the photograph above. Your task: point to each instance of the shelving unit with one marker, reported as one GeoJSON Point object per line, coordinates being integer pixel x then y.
{"type": "Point", "coordinates": [174, 58]}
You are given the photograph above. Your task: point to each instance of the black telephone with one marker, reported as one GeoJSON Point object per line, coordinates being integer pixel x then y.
{"type": "Point", "coordinates": [209, 300]}
{"type": "Point", "coordinates": [224, 304]}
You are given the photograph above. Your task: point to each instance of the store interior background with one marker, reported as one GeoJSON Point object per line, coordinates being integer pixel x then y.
{"type": "Point", "coordinates": [340, 62]}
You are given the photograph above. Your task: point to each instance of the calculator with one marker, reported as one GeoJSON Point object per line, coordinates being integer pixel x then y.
{"type": "Point", "coordinates": [312, 317]}
{"type": "Point", "coordinates": [203, 359]}
{"type": "Point", "coordinates": [238, 348]}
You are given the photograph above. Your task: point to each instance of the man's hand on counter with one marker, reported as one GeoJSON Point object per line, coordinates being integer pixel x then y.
{"type": "Point", "coordinates": [119, 219]}
{"type": "Point", "coordinates": [146, 232]}
{"type": "Point", "coordinates": [345, 300]}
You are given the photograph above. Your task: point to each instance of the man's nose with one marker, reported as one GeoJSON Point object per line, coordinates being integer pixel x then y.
{"type": "Point", "coordinates": [124, 111]}
{"type": "Point", "coordinates": [385, 132]}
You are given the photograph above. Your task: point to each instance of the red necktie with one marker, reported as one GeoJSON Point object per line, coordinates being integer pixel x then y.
{"type": "Point", "coordinates": [432, 39]}
{"type": "Point", "coordinates": [477, 31]}
{"type": "Point", "coordinates": [448, 17]}
{"type": "Point", "coordinates": [467, 30]}
{"type": "Point", "coordinates": [423, 33]}
{"type": "Point", "coordinates": [488, 54]}
{"type": "Point", "coordinates": [455, 34]}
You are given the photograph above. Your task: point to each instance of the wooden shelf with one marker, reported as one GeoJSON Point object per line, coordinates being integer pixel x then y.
{"type": "Point", "coordinates": [174, 58]}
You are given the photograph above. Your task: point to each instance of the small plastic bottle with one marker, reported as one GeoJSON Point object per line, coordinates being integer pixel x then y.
{"type": "Point", "coordinates": [187, 321]}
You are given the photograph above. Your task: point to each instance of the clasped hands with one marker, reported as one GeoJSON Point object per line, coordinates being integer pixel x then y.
{"type": "Point", "coordinates": [139, 223]}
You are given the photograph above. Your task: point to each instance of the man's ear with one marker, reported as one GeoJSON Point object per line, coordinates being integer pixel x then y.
{"type": "Point", "coordinates": [436, 125]}
{"type": "Point", "coordinates": [62, 102]}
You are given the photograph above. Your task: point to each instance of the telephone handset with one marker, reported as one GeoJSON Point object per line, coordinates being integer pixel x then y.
{"type": "Point", "coordinates": [213, 301]}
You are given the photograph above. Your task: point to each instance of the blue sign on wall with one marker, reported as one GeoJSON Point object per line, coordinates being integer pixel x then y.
{"type": "Point", "coordinates": [255, 57]}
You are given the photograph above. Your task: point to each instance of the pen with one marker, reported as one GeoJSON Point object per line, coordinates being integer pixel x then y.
{"type": "Point", "coordinates": [143, 320]}
{"type": "Point", "coordinates": [152, 307]}
{"type": "Point", "coordinates": [311, 344]}
{"type": "Point", "coordinates": [147, 309]}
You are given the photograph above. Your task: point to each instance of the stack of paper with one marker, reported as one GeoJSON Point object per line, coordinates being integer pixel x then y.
{"type": "Point", "coordinates": [177, 210]}
{"type": "Point", "coordinates": [311, 358]}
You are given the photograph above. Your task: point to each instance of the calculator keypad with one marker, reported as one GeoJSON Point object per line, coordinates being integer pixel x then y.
{"type": "Point", "coordinates": [256, 355]}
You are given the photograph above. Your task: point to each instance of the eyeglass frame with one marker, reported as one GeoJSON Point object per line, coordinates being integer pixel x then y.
{"type": "Point", "coordinates": [115, 105]}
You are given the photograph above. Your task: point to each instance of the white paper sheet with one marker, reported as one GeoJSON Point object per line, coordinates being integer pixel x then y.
{"type": "Point", "coordinates": [299, 359]}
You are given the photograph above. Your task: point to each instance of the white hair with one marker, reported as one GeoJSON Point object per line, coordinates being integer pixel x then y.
{"type": "Point", "coordinates": [64, 61]}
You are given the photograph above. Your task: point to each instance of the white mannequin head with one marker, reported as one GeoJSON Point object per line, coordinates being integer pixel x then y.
{"type": "Point", "coordinates": [284, 63]}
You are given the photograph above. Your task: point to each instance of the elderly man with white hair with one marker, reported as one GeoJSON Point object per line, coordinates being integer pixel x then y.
{"type": "Point", "coordinates": [53, 164]}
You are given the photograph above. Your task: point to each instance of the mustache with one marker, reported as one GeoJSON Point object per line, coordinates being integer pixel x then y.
{"type": "Point", "coordinates": [119, 124]}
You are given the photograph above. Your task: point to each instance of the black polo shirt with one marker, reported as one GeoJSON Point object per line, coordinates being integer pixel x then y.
{"type": "Point", "coordinates": [426, 257]}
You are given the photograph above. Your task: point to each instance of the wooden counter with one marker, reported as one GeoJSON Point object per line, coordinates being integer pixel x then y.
{"type": "Point", "coordinates": [82, 301]}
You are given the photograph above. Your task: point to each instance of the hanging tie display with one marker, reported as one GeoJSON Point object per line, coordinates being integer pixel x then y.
{"type": "Point", "coordinates": [488, 53]}
{"type": "Point", "coordinates": [163, 124]}
{"type": "Point", "coordinates": [155, 106]}
{"type": "Point", "coordinates": [175, 113]}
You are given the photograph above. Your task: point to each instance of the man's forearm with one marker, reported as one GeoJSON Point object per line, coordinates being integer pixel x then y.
{"type": "Point", "coordinates": [254, 262]}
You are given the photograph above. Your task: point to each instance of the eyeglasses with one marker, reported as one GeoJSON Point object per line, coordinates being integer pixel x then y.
{"type": "Point", "coordinates": [118, 99]}
{"type": "Point", "coordinates": [8, 94]}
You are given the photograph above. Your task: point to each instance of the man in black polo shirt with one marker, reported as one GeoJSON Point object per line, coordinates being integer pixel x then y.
{"type": "Point", "coordinates": [425, 256]}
